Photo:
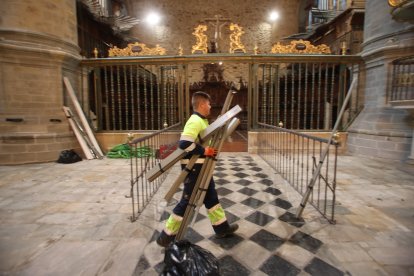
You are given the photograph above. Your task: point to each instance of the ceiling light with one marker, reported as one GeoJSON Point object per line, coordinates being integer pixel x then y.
{"type": "Point", "coordinates": [153, 18]}
{"type": "Point", "coordinates": [274, 15]}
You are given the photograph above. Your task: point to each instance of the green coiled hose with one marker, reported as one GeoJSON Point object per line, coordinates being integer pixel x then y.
{"type": "Point", "coordinates": [126, 151]}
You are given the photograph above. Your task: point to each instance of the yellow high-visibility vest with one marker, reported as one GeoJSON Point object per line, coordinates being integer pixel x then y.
{"type": "Point", "coordinates": [193, 127]}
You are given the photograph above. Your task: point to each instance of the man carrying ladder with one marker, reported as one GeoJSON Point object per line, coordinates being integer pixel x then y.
{"type": "Point", "coordinates": [189, 142]}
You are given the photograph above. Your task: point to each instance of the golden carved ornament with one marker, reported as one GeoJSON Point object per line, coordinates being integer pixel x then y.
{"type": "Point", "coordinates": [300, 47]}
{"type": "Point", "coordinates": [336, 137]}
{"type": "Point", "coordinates": [395, 3]}
{"type": "Point", "coordinates": [136, 49]}
{"type": "Point", "coordinates": [235, 44]}
{"type": "Point", "coordinates": [201, 44]}
{"type": "Point", "coordinates": [180, 50]}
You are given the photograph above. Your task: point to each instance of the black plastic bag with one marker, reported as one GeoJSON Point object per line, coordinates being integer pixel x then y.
{"type": "Point", "coordinates": [184, 258]}
{"type": "Point", "coordinates": [69, 156]}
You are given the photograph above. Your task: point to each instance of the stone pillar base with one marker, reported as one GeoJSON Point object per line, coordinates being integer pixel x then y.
{"type": "Point", "coordinates": [23, 148]}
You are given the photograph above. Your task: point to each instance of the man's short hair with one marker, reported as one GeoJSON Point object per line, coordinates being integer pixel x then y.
{"type": "Point", "coordinates": [199, 97]}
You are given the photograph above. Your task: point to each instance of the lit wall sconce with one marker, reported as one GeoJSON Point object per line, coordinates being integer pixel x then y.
{"type": "Point", "coordinates": [153, 18]}
{"type": "Point", "coordinates": [273, 16]}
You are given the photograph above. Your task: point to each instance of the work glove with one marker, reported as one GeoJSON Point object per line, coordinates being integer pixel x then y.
{"type": "Point", "coordinates": [209, 151]}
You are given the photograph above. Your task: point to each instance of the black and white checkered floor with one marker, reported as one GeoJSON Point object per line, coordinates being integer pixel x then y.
{"type": "Point", "coordinates": [269, 240]}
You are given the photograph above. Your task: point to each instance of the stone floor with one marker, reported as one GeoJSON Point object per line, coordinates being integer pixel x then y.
{"type": "Point", "coordinates": [74, 220]}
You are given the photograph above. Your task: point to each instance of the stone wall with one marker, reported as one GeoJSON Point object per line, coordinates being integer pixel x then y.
{"type": "Point", "coordinates": [232, 72]}
{"type": "Point", "coordinates": [54, 18]}
{"type": "Point", "coordinates": [38, 47]}
{"type": "Point", "coordinates": [380, 130]}
{"type": "Point", "coordinates": [180, 17]}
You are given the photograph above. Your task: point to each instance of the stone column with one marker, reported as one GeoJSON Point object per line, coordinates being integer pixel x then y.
{"type": "Point", "coordinates": [382, 131]}
{"type": "Point", "coordinates": [411, 156]}
{"type": "Point", "coordinates": [38, 46]}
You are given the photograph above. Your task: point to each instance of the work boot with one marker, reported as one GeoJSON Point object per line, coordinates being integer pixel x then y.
{"type": "Point", "coordinates": [164, 240]}
{"type": "Point", "coordinates": [227, 231]}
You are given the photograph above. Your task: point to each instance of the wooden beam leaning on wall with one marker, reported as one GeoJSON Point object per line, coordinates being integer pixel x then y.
{"type": "Point", "coordinates": [94, 144]}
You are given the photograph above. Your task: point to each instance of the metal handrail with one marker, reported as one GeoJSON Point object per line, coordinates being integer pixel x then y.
{"type": "Point", "coordinates": [146, 137]}
{"type": "Point", "coordinates": [247, 58]}
{"type": "Point", "coordinates": [319, 139]}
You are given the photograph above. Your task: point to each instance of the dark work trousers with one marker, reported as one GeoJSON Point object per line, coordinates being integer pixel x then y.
{"type": "Point", "coordinates": [210, 200]}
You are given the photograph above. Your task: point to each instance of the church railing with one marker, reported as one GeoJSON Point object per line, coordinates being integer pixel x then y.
{"type": "Point", "coordinates": [304, 95]}
{"type": "Point", "coordinates": [295, 156]}
{"type": "Point", "coordinates": [305, 91]}
{"type": "Point", "coordinates": [146, 153]}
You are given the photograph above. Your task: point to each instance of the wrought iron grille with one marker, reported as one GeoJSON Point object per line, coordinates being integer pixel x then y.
{"type": "Point", "coordinates": [304, 95]}
{"type": "Point", "coordinates": [135, 96]}
{"type": "Point", "coordinates": [148, 93]}
{"type": "Point", "coordinates": [403, 80]}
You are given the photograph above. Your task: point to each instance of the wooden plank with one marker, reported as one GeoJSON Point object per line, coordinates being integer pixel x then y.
{"type": "Point", "coordinates": [221, 121]}
{"type": "Point", "coordinates": [178, 154]}
{"type": "Point", "coordinates": [82, 117]}
{"type": "Point", "coordinates": [229, 130]}
{"type": "Point", "coordinates": [86, 150]}
{"type": "Point", "coordinates": [165, 164]}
